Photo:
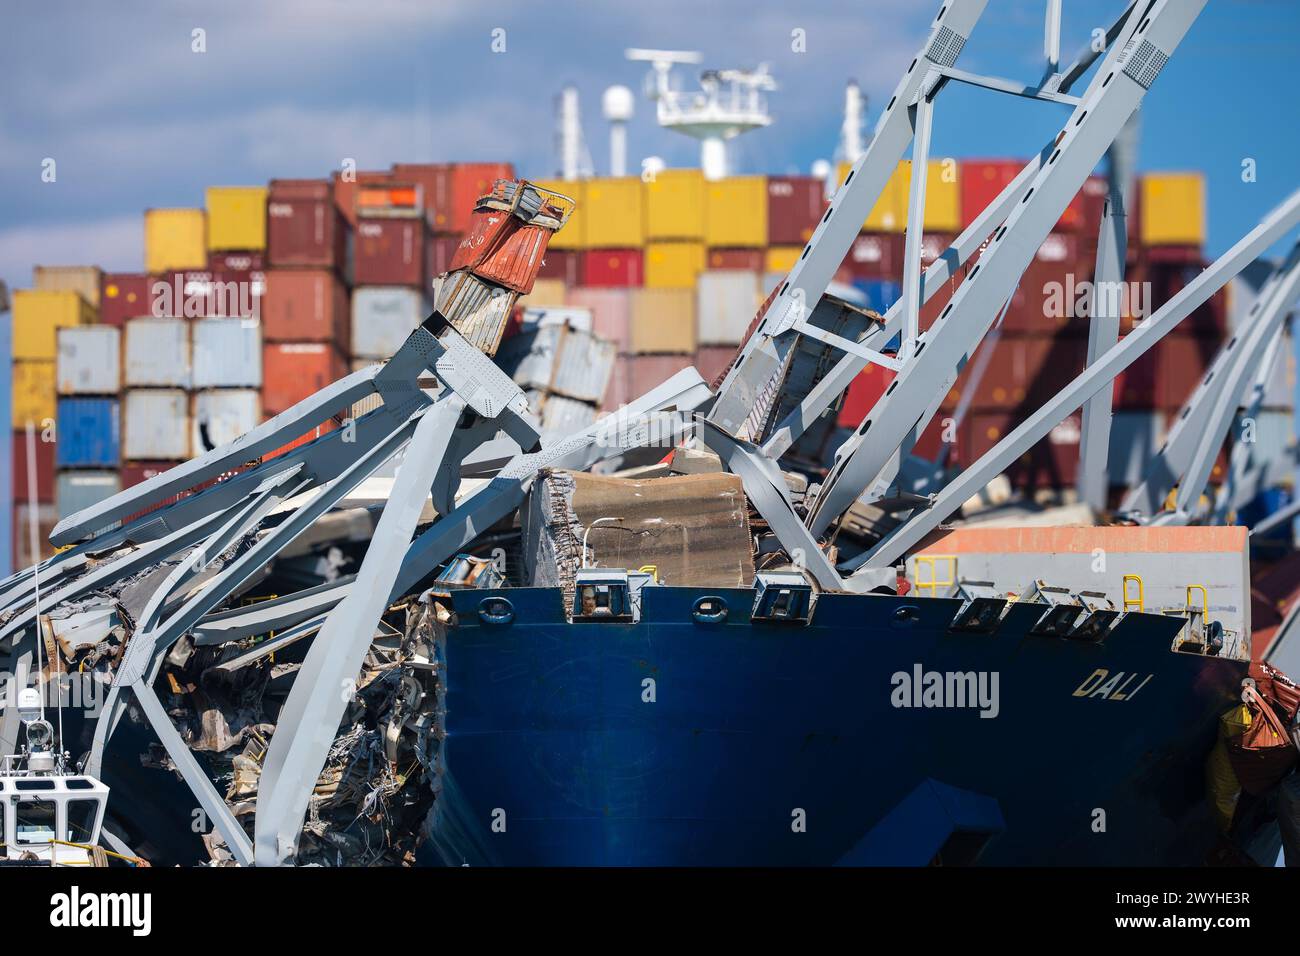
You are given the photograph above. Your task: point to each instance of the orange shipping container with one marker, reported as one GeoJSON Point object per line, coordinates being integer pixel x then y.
{"type": "Point", "coordinates": [469, 181]}
{"type": "Point", "coordinates": [292, 371]}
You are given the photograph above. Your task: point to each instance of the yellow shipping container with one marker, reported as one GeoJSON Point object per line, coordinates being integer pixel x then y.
{"type": "Point", "coordinates": [663, 321]}
{"type": "Point", "coordinates": [547, 293]}
{"type": "Point", "coordinates": [37, 317]}
{"type": "Point", "coordinates": [1172, 209]}
{"type": "Point", "coordinates": [236, 218]}
{"type": "Point", "coordinates": [33, 397]}
{"type": "Point", "coordinates": [942, 199]}
{"type": "Point", "coordinates": [674, 205]}
{"type": "Point", "coordinates": [783, 258]}
{"type": "Point", "coordinates": [615, 213]}
{"type": "Point", "coordinates": [84, 280]}
{"type": "Point", "coordinates": [673, 265]}
{"type": "Point", "coordinates": [574, 233]}
{"type": "Point", "coordinates": [175, 239]}
{"type": "Point", "coordinates": [736, 212]}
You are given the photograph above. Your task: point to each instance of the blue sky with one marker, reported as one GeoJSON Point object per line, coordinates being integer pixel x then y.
{"type": "Point", "coordinates": [135, 119]}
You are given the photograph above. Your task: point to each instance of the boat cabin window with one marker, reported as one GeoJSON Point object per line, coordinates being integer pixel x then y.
{"type": "Point", "coordinates": [78, 783]}
{"type": "Point", "coordinates": [34, 821]}
{"type": "Point", "coordinates": [33, 784]}
{"type": "Point", "coordinates": [602, 600]}
{"type": "Point", "coordinates": [81, 820]}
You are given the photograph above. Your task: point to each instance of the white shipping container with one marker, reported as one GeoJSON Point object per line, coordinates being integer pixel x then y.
{"type": "Point", "coordinates": [156, 353]}
{"type": "Point", "coordinates": [227, 353]}
{"type": "Point", "coordinates": [77, 490]}
{"type": "Point", "coordinates": [726, 300]}
{"type": "Point", "coordinates": [90, 360]}
{"type": "Point", "coordinates": [156, 425]}
{"type": "Point", "coordinates": [383, 317]}
{"type": "Point", "coordinates": [223, 415]}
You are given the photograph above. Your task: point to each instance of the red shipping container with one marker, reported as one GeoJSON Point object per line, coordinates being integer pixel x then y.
{"type": "Point", "coordinates": [1051, 296]}
{"type": "Point", "coordinates": [876, 256]}
{"type": "Point", "coordinates": [236, 263]}
{"type": "Point", "coordinates": [1135, 386]}
{"type": "Point", "coordinates": [1168, 279]}
{"type": "Point", "coordinates": [345, 191]}
{"type": "Point", "coordinates": [712, 360]}
{"type": "Point", "coordinates": [389, 252]}
{"type": "Point", "coordinates": [567, 265]}
{"type": "Point", "coordinates": [1051, 463]}
{"type": "Point", "coordinates": [469, 182]}
{"type": "Point", "coordinates": [306, 305]}
{"type": "Point", "coordinates": [502, 248]}
{"type": "Point", "coordinates": [795, 206]}
{"type": "Point", "coordinates": [202, 294]}
{"type": "Point", "coordinates": [44, 469]}
{"type": "Point", "coordinates": [745, 259]}
{"type": "Point", "coordinates": [304, 225]}
{"type": "Point", "coordinates": [862, 394]}
{"type": "Point", "coordinates": [613, 268]}
{"type": "Point", "coordinates": [441, 250]}
{"type": "Point", "coordinates": [434, 180]}
{"type": "Point", "coordinates": [292, 371]}
{"type": "Point", "coordinates": [1181, 363]}
{"type": "Point", "coordinates": [122, 296]}
{"type": "Point", "coordinates": [983, 180]}
{"type": "Point", "coordinates": [1022, 372]}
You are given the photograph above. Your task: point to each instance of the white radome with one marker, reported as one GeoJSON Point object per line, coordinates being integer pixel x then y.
{"type": "Point", "coordinates": [618, 103]}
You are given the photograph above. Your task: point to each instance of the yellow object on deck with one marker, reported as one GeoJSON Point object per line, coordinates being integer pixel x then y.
{"type": "Point", "coordinates": [175, 239]}
{"type": "Point", "coordinates": [236, 218]}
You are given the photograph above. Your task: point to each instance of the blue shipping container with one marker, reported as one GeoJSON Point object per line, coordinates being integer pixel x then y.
{"type": "Point", "coordinates": [88, 433]}
{"type": "Point", "coordinates": [880, 293]}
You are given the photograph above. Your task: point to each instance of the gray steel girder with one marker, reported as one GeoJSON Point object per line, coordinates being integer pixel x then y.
{"type": "Point", "coordinates": [1097, 376]}
{"type": "Point", "coordinates": [1115, 93]}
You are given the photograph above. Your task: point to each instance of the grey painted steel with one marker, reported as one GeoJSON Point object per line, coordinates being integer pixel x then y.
{"type": "Point", "coordinates": [271, 615]}
{"type": "Point", "coordinates": [1088, 55]}
{"type": "Point", "coordinates": [767, 491]}
{"type": "Point", "coordinates": [320, 693]}
{"type": "Point", "coordinates": [1103, 325]}
{"type": "Point", "coordinates": [1097, 376]}
{"type": "Point", "coordinates": [1124, 79]}
{"type": "Point", "coordinates": [211, 801]}
{"type": "Point", "coordinates": [1247, 475]}
{"type": "Point", "coordinates": [999, 85]}
{"type": "Point", "coordinates": [922, 120]}
{"type": "Point", "coordinates": [1173, 462]}
{"type": "Point", "coordinates": [936, 276]}
{"type": "Point", "coordinates": [849, 207]}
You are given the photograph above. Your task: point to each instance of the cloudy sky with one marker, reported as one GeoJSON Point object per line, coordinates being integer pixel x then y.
{"type": "Point", "coordinates": [134, 118]}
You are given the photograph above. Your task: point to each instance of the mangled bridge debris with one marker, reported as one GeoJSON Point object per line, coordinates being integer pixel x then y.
{"type": "Point", "coordinates": [320, 711]}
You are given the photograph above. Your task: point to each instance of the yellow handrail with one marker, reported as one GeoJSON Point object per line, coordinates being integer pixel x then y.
{"type": "Point", "coordinates": [1140, 601]}
{"type": "Point", "coordinates": [1205, 600]}
{"type": "Point", "coordinates": [928, 560]}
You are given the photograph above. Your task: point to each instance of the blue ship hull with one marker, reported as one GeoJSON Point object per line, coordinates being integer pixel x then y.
{"type": "Point", "coordinates": [772, 744]}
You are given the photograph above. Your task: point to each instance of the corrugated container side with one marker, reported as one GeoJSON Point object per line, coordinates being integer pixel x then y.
{"type": "Point", "coordinates": [795, 205]}
{"type": "Point", "coordinates": [615, 213]}
{"type": "Point", "coordinates": [156, 424]}
{"type": "Point", "coordinates": [876, 255]}
{"type": "Point", "coordinates": [90, 360]}
{"type": "Point", "coordinates": [294, 371]}
{"type": "Point", "coordinates": [736, 212]}
{"type": "Point", "coordinates": [89, 433]}
{"type": "Point", "coordinates": [479, 310]}
{"type": "Point", "coordinates": [79, 490]}
{"type": "Point", "coordinates": [345, 190]}
{"type": "Point", "coordinates": [227, 353]}
{"type": "Point", "coordinates": [32, 394]}
{"type": "Point", "coordinates": [122, 296]}
{"type": "Point", "coordinates": [1173, 209]}
{"type": "Point", "coordinates": [567, 265]}
{"type": "Point", "coordinates": [305, 305]}
{"type": "Point", "coordinates": [613, 268]}
{"type": "Point", "coordinates": [304, 226]}
{"type": "Point", "coordinates": [36, 317]}
{"type": "Point", "coordinates": [440, 251]}
{"type": "Point", "coordinates": [560, 360]}
{"type": "Point", "coordinates": [611, 313]}
{"type": "Point", "coordinates": [725, 306]}
{"type": "Point", "coordinates": [46, 516]}
{"type": "Point", "coordinates": [156, 352]}
{"type": "Point", "coordinates": [675, 205]}
{"type": "Point", "coordinates": [390, 252]}
{"type": "Point", "coordinates": [220, 416]}
{"type": "Point", "coordinates": [44, 467]}
{"type": "Point", "coordinates": [560, 416]}
{"type": "Point", "coordinates": [673, 265]}
{"type": "Point", "coordinates": [663, 320]}
{"type": "Point", "coordinates": [383, 317]}
{"type": "Point", "coordinates": [469, 181]}
{"type": "Point", "coordinates": [175, 239]}
{"type": "Point", "coordinates": [236, 217]}
{"type": "Point", "coordinates": [573, 235]}
{"type": "Point", "coordinates": [83, 280]}
{"type": "Point", "coordinates": [434, 180]}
